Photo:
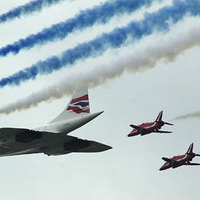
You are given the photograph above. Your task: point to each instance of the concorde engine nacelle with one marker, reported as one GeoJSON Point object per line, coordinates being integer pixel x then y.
{"type": "Point", "coordinates": [20, 135]}
{"type": "Point", "coordinates": [6, 138]}
{"type": "Point", "coordinates": [66, 147]}
{"type": "Point", "coordinates": [27, 137]}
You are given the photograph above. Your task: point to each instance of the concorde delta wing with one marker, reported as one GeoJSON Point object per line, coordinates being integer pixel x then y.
{"type": "Point", "coordinates": [14, 141]}
{"type": "Point", "coordinates": [69, 144]}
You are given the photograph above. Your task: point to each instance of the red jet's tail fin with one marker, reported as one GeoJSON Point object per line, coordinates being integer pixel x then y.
{"type": "Point", "coordinates": [190, 149]}
{"type": "Point", "coordinates": [159, 117]}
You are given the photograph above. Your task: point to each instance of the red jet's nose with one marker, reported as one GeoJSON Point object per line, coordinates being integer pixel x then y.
{"type": "Point", "coordinates": [133, 133]}
{"type": "Point", "coordinates": [129, 135]}
{"type": "Point", "coordinates": [162, 168]}
{"type": "Point", "coordinates": [165, 166]}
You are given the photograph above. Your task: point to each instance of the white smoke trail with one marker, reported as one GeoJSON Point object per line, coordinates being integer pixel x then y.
{"type": "Point", "coordinates": [187, 116]}
{"type": "Point", "coordinates": [143, 56]}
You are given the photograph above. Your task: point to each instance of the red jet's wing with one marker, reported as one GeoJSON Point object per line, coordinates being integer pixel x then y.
{"type": "Point", "coordinates": [192, 164]}
{"type": "Point", "coordinates": [157, 131]}
{"type": "Point", "coordinates": [171, 161]}
{"type": "Point", "coordinates": [140, 129]}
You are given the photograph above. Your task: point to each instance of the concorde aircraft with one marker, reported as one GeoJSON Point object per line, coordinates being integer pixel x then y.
{"type": "Point", "coordinates": [53, 138]}
{"type": "Point", "coordinates": [178, 161]}
{"type": "Point", "coordinates": [149, 127]}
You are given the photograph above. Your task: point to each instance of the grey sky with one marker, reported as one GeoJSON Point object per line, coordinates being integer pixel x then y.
{"type": "Point", "coordinates": [131, 169]}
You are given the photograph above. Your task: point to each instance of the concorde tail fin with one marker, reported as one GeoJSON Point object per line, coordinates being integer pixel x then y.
{"type": "Point", "coordinates": [78, 105]}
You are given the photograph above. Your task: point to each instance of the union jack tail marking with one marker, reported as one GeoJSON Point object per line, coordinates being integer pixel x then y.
{"type": "Point", "coordinates": [79, 105]}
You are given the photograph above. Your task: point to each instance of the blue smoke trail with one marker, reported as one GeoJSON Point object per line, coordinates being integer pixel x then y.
{"type": "Point", "coordinates": [86, 18]}
{"type": "Point", "coordinates": [136, 30]}
{"type": "Point", "coordinates": [33, 6]}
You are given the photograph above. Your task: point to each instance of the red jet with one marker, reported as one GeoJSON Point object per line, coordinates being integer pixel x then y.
{"type": "Point", "coordinates": [178, 161]}
{"type": "Point", "coordinates": [149, 127]}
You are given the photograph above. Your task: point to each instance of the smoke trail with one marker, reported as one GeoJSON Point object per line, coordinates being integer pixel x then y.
{"type": "Point", "coordinates": [142, 57]}
{"type": "Point", "coordinates": [136, 30]}
{"type": "Point", "coordinates": [87, 18]}
{"type": "Point", "coordinates": [33, 6]}
{"type": "Point", "coordinates": [190, 115]}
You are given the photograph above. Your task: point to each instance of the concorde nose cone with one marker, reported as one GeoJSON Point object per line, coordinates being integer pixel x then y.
{"type": "Point", "coordinates": [104, 147]}
{"type": "Point", "coordinates": [98, 147]}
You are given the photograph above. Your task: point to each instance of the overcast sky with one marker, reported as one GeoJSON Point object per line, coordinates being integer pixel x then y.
{"type": "Point", "coordinates": [132, 84]}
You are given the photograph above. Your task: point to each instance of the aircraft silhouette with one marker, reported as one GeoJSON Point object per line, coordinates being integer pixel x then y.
{"type": "Point", "coordinates": [149, 127]}
{"type": "Point", "coordinates": [53, 138]}
{"type": "Point", "coordinates": [178, 161]}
